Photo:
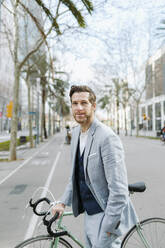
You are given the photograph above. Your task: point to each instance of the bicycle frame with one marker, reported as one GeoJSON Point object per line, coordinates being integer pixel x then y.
{"type": "Point", "coordinates": [63, 228]}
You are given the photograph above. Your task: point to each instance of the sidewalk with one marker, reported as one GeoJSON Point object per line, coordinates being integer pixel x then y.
{"type": "Point", "coordinates": [5, 136]}
{"type": "Point", "coordinates": [24, 151]}
{"type": "Point", "coordinates": [20, 149]}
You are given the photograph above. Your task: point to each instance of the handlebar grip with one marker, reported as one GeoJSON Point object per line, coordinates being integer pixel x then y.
{"type": "Point", "coordinates": [49, 223]}
{"type": "Point", "coordinates": [35, 204]}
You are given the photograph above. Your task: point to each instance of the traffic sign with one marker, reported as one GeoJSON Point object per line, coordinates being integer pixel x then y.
{"type": "Point", "coordinates": [9, 109]}
{"type": "Point", "coordinates": [32, 113]}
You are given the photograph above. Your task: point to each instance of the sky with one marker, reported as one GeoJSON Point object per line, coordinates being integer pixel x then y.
{"type": "Point", "coordinates": [111, 21]}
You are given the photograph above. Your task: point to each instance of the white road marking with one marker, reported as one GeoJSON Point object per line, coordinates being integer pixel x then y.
{"type": "Point", "coordinates": [25, 162]}
{"type": "Point", "coordinates": [34, 219]}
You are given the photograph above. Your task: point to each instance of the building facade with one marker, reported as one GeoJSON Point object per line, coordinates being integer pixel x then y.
{"type": "Point", "coordinates": [152, 110]}
{"type": "Point", "coordinates": [28, 38]}
{"type": "Point", "coordinates": [6, 67]}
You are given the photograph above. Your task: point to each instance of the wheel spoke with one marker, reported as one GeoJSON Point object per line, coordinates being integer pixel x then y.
{"type": "Point", "coordinates": [153, 231]}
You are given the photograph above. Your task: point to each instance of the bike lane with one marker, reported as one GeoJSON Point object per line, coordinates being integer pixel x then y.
{"type": "Point", "coordinates": [18, 182]}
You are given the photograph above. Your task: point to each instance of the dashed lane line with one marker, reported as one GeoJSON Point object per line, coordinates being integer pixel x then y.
{"type": "Point", "coordinates": [34, 219]}
{"type": "Point", "coordinates": [25, 162]}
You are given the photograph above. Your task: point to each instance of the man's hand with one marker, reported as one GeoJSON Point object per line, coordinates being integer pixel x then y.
{"type": "Point", "coordinates": [58, 208]}
{"type": "Point", "coordinates": [108, 233]}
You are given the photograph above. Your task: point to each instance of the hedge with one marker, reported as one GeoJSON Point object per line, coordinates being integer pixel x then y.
{"type": "Point", "coordinates": [4, 146]}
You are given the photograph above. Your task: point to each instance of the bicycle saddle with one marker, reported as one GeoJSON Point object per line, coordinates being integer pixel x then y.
{"type": "Point", "coordinates": [137, 187]}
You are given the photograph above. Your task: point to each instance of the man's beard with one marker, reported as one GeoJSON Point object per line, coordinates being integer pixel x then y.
{"type": "Point", "coordinates": [85, 119]}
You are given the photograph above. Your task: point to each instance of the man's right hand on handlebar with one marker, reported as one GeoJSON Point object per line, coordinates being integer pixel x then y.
{"type": "Point", "coordinates": [58, 208]}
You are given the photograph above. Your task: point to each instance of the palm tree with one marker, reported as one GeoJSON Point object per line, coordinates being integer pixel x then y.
{"type": "Point", "coordinates": [71, 7]}
{"type": "Point", "coordinates": [105, 102]}
{"type": "Point", "coordinates": [126, 95]}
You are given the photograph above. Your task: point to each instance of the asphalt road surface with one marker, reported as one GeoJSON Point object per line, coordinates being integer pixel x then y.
{"type": "Point", "coordinates": [48, 166]}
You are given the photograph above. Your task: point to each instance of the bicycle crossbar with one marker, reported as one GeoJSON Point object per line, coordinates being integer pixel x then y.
{"type": "Point", "coordinates": [68, 213]}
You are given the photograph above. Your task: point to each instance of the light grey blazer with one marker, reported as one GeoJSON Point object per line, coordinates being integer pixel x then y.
{"type": "Point", "coordinates": [105, 175]}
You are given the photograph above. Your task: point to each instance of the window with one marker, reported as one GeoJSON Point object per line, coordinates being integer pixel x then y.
{"type": "Point", "coordinates": [158, 116]}
{"type": "Point", "coordinates": [149, 117]}
{"type": "Point", "coordinates": [158, 110]}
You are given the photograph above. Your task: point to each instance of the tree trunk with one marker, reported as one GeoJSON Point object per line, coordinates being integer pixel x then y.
{"type": "Point", "coordinates": [14, 122]}
{"type": "Point", "coordinates": [42, 119]}
{"type": "Point", "coordinates": [125, 122]}
{"type": "Point", "coordinates": [137, 118]}
{"type": "Point", "coordinates": [117, 105]}
{"type": "Point", "coordinates": [50, 120]}
{"type": "Point", "coordinates": [30, 114]}
{"type": "Point", "coordinates": [43, 122]}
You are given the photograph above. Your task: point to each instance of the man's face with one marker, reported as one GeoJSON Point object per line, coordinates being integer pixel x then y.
{"type": "Point", "coordinates": [82, 109]}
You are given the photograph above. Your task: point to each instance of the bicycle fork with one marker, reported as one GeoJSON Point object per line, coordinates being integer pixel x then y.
{"type": "Point", "coordinates": [142, 237]}
{"type": "Point", "coordinates": [55, 243]}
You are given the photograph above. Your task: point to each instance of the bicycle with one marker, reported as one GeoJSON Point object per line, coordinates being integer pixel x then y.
{"type": "Point", "coordinates": [149, 233]}
{"type": "Point", "coordinates": [162, 138]}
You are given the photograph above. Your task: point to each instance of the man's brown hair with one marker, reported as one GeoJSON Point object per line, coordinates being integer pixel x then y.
{"type": "Point", "coordinates": [83, 88]}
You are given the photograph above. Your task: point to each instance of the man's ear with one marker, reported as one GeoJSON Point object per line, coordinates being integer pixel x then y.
{"type": "Point", "coordinates": [94, 106]}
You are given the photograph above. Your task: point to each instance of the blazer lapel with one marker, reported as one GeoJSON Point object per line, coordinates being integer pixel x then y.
{"type": "Point", "coordinates": [74, 153]}
{"type": "Point", "coordinates": [87, 150]}
{"type": "Point", "coordinates": [89, 143]}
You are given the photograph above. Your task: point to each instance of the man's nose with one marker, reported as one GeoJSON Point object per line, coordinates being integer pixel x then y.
{"type": "Point", "coordinates": [79, 106]}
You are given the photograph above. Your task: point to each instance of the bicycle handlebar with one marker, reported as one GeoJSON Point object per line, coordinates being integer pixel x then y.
{"type": "Point", "coordinates": [35, 204]}
{"type": "Point", "coordinates": [47, 222]}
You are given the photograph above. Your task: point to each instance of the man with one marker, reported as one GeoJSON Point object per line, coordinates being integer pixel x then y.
{"type": "Point", "coordinates": [163, 133]}
{"type": "Point", "coordinates": [98, 183]}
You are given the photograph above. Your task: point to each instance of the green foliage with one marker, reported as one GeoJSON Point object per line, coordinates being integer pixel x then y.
{"type": "Point", "coordinates": [88, 5]}
{"type": "Point", "coordinates": [50, 16]}
{"type": "Point", "coordinates": [76, 13]}
{"type": "Point", "coordinates": [72, 8]}
{"type": "Point", "coordinates": [62, 107]}
{"type": "Point", "coordinates": [148, 137]}
{"type": "Point", "coordinates": [104, 101]}
{"type": "Point", "coordinates": [4, 146]}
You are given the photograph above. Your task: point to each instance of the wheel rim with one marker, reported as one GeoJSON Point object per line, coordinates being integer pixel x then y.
{"type": "Point", "coordinates": [43, 242]}
{"type": "Point", "coordinates": [153, 231]}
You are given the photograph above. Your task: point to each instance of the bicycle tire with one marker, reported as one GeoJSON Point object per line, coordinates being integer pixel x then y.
{"type": "Point", "coordinates": [43, 241]}
{"type": "Point", "coordinates": [152, 229]}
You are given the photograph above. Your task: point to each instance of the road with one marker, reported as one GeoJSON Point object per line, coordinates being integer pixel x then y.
{"type": "Point", "coordinates": [49, 166]}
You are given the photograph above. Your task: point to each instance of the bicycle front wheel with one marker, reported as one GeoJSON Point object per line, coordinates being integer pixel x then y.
{"type": "Point", "coordinates": [153, 230]}
{"type": "Point", "coordinates": [43, 241]}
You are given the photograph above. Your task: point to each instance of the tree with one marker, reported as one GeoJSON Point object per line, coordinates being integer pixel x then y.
{"type": "Point", "coordinates": [127, 93]}
{"type": "Point", "coordinates": [19, 63]}
{"type": "Point", "coordinates": [105, 104]}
